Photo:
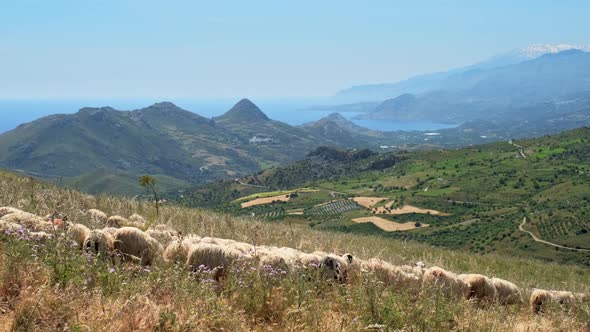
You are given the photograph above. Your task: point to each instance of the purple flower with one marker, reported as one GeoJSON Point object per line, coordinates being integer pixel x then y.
{"type": "Point", "coordinates": [112, 270]}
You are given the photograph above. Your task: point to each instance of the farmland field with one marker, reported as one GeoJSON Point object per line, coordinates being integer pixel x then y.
{"type": "Point", "coordinates": [388, 225]}
{"type": "Point", "coordinates": [265, 200]}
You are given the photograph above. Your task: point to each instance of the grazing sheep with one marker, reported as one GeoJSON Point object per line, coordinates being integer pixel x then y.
{"type": "Point", "coordinates": [135, 244]}
{"type": "Point", "coordinates": [508, 293]}
{"type": "Point", "coordinates": [176, 252]}
{"type": "Point", "coordinates": [97, 216]}
{"type": "Point", "coordinates": [481, 288]}
{"type": "Point", "coordinates": [78, 233]}
{"type": "Point", "coordinates": [540, 297]}
{"type": "Point", "coordinates": [164, 237]}
{"type": "Point", "coordinates": [290, 255]}
{"type": "Point", "coordinates": [136, 220]}
{"type": "Point", "coordinates": [417, 269]}
{"type": "Point", "coordinates": [390, 274]}
{"type": "Point", "coordinates": [355, 267]}
{"type": "Point", "coordinates": [448, 281]}
{"type": "Point", "coordinates": [214, 257]}
{"type": "Point", "coordinates": [216, 240]}
{"type": "Point", "coordinates": [269, 258]}
{"type": "Point", "coordinates": [28, 221]}
{"type": "Point", "coordinates": [244, 248]}
{"type": "Point", "coordinates": [40, 236]}
{"type": "Point", "coordinates": [99, 242]}
{"type": "Point", "coordinates": [335, 267]}
{"type": "Point", "coordinates": [10, 227]}
{"type": "Point", "coordinates": [110, 230]}
{"type": "Point", "coordinates": [306, 260]}
{"type": "Point", "coordinates": [8, 210]}
{"type": "Point", "coordinates": [117, 221]}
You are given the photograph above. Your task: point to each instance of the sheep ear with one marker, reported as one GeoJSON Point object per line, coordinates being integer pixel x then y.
{"type": "Point", "coordinates": [349, 258]}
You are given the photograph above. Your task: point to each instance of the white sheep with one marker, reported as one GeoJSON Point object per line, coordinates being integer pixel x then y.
{"type": "Point", "coordinates": [10, 227]}
{"type": "Point", "coordinates": [306, 260]}
{"type": "Point", "coordinates": [270, 258]}
{"type": "Point", "coordinates": [177, 250]}
{"type": "Point", "coordinates": [99, 242]}
{"type": "Point", "coordinates": [355, 267]}
{"type": "Point", "coordinates": [214, 257]}
{"type": "Point", "coordinates": [97, 216]}
{"type": "Point", "coordinates": [4, 210]}
{"type": "Point", "coordinates": [389, 273]}
{"type": "Point", "coordinates": [110, 230]}
{"type": "Point", "coordinates": [335, 267]}
{"type": "Point", "coordinates": [28, 221]}
{"type": "Point", "coordinates": [448, 281]}
{"type": "Point", "coordinates": [540, 297]}
{"type": "Point", "coordinates": [40, 236]}
{"type": "Point", "coordinates": [244, 248]}
{"type": "Point", "coordinates": [78, 233]}
{"type": "Point", "coordinates": [481, 288]}
{"type": "Point", "coordinates": [116, 221]}
{"type": "Point", "coordinates": [416, 269]}
{"type": "Point", "coordinates": [135, 244]}
{"type": "Point", "coordinates": [164, 237]}
{"type": "Point", "coordinates": [508, 293]}
{"type": "Point", "coordinates": [136, 220]}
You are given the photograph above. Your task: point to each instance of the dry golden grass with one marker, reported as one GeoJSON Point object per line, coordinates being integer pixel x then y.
{"type": "Point", "coordinates": [265, 200]}
{"type": "Point", "coordinates": [388, 225]}
{"type": "Point", "coordinates": [413, 209]}
{"type": "Point", "coordinates": [63, 291]}
{"type": "Point", "coordinates": [368, 202]}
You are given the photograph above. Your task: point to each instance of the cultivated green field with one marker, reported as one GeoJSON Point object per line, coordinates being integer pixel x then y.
{"type": "Point", "coordinates": [486, 191]}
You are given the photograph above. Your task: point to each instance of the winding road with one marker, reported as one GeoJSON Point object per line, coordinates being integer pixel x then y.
{"type": "Point", "coordinates": [536, 239]}
{"type": "Point", "coordinates": [249, 185]}
{"type": "Point", "coordinates": [520, 148]}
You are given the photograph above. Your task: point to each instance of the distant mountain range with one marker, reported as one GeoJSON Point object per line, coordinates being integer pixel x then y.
{"type": "Point", "coordinates": [104, 149]}
{"type": "Point", "coordinates": [452, 80]}
{"type": "Point", "coordinates": [178, 146]}
{"type": "Point", "coordinates": [484, 94]}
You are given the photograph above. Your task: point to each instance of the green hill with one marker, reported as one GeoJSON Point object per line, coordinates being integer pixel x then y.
{"type": "Point", "coordinates": [485, 192]}
{"type": "Point", "coordinates": [159, 139]}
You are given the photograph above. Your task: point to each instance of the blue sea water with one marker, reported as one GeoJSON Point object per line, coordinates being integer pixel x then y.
{"type": "Point", "coordinates": [15, 112]}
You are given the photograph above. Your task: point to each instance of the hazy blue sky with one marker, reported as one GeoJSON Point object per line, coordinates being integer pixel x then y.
{"type": "Point", "coordinates": [217, 49]}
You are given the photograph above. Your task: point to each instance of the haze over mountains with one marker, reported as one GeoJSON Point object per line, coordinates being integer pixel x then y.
{"type": "Point", "coordinates": [98, 149]}
{"type": "Point", "coordinates": [463, 78]}
{"type": "Point", "coordinates": [161, 139]}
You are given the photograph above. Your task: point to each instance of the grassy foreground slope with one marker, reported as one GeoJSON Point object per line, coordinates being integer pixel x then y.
{"type": "Point", "coordinates": [49, 287]}
{"type": "Point", "coordinates": [484, 192]}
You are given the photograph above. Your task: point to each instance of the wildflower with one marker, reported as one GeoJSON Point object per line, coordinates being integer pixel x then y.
{"type": "Point", "coordinates": [112, 270]}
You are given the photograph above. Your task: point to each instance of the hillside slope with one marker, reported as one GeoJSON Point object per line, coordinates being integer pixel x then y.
{"type": "Point", "coordinates": [482, 192]}
{"type": "Point", "coordinates": [48, 286]}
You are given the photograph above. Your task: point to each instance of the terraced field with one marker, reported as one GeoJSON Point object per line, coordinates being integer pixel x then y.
{"type": "Point", "coordinates": [333, 208]}
{"type": "Point", "coordinates": [447, 190]}
{"type": "Point", "coordinates": [388, 225]}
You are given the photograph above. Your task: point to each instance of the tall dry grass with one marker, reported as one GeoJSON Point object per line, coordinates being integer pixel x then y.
{"type": "Point", "coordinates": [53, 287]}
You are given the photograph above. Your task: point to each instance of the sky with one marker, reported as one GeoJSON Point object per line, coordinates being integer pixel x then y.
{"type": "Point", "coordinates": [261, 49]}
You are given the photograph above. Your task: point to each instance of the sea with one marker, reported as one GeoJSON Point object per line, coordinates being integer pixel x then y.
{"type": "Point", "coordinates": [293, 112]}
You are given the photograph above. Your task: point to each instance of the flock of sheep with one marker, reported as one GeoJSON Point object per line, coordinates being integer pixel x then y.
{"type": "Point", "coordinates": [126, 237]}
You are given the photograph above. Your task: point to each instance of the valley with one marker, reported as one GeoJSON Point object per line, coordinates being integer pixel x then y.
{"type": "Point", "coordinates": [469, 199]}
